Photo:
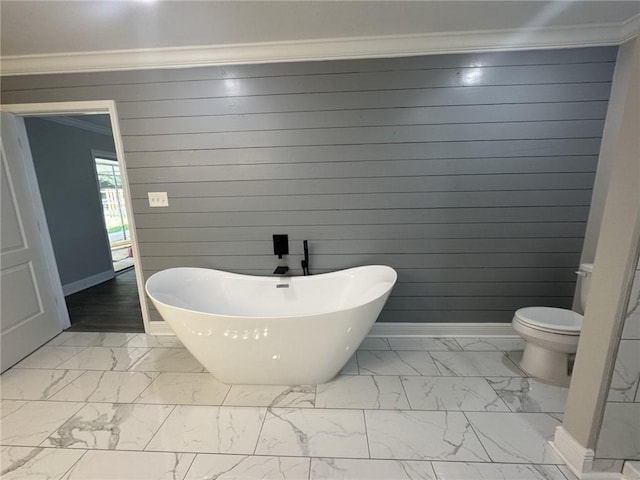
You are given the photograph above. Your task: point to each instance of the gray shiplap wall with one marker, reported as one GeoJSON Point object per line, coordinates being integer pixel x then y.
{"type": "Point", "coordinates": [470, 174]}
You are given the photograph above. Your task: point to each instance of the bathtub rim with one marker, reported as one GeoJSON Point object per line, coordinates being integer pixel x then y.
{"type": "Point", "coordinates": [239, 317]}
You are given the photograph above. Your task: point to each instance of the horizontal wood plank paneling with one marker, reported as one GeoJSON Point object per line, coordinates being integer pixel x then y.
{"type": "Point", "coordinates": [345, 101]}
{"type": "Point", "coordinates": [345, 82]}
{"type": "Point", "coordinates": [470, 174]}
{"type": "Point", "coordinates": [367, 135]}
{"type": "Point", "coordinates": [240, 262]}
{"type": "Point", "coordinates": [533, 57]}
{"type": "Point", "coordinates": [326, 186]}
{"type": "Point", "coordinates": [363, 217]}
{"type": "Point", "coordinates": [519, 152]}
{"type": "Point", "coordinates": [379, 247]}
{"type": "Point", "coordinates": [534, 112]}
{"type": "Point", "coordinates": [435, 168]}
{"type": "Point", "coordinates": [297, 233]}
{"type": "Point", "coordinates": [477, 289]}
{"type": "Point", "coordinates": [372, 201]}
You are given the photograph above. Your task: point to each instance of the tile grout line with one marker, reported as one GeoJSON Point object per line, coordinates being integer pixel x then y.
{"type": "Point", "coordinates": [193, 460]}
{"type": "Point", "coordinates": [16, 400]}
{"type": "Point", "coordinates": [50, 397]}
{"type": "Point", "coordinates": [437, 366]}
{"type": "Point", "coordinates": [72, 466]}
{"type": "Point", "coordinates": [50, 400]}
{"type": "Point", "coordinates": [562, 473]}
{"type": "Point", "coordinates": [153, 435]}
{"type": "Point", "coordinates": [508, 357]}
{"type": "Point", "coordinates": [509, 408]}
{"type": "Point", "coordinates": [226, 395]}
{"type": "Point", "coordinates": [478, 437]}
{"type": "Point", "coordinates": [264, 420]}
{"type": "Point", "coordinates": [366, 432]}
{"type": "Point", "coordinates": [146, 388]}
{"type": "Point", "coordinates": [199, 453]}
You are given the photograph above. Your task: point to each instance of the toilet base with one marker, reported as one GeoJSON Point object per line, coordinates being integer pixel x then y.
{"type": "Point", "coordinates": [548, 365]}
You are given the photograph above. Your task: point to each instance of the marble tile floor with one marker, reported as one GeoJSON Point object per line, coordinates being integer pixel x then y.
{"type": "Point", "coordinates": [131, 406]}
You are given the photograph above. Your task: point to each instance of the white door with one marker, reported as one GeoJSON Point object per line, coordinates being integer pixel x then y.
{"type": "Point", "coordinates": [29, 311]}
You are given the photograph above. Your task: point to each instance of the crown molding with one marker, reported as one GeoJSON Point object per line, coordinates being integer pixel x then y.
{"type": "Point", "coordinates": [630, 29]}
{"type": "Point", "coordinates": [324, 49]}
{"type": "Point", "coordinates": [77, 123]}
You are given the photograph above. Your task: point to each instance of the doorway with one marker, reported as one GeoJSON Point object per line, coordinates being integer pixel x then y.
{"type": "Point", "coordinates": [107, 283]}
{"type": "Point", "coordinates": [83, 199]}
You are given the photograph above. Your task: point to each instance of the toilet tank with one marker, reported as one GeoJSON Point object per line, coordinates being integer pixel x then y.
{"type": "Point", "coordinates": [585, 271]}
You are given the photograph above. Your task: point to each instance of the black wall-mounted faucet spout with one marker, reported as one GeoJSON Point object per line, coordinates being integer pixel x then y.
{"type": "Point", "coordinates": [281, 270]}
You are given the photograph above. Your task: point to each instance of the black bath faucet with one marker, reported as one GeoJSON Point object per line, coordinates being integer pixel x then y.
{"type": "Point", "coordinates": [281, 270]}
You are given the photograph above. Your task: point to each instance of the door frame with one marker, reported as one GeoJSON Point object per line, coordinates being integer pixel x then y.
{"type": "Point", "coordinates": [78, 108]}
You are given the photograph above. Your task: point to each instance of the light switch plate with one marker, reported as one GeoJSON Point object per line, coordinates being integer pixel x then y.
{"type": "Point", "coordinates": [158, 199]}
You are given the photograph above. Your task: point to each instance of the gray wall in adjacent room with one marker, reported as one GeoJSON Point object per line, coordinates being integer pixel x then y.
{"type": "Point", "coordinates": [470, 174]}
{"type": "Point", "coordinates": [66, 176]}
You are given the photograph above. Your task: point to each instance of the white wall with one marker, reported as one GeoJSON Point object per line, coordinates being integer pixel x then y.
{"type": "Point", "coordinates": [616, 259]}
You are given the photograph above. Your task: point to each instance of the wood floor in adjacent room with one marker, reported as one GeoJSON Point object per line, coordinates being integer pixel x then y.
{"type": "Point", "coordinates": [112, 306]}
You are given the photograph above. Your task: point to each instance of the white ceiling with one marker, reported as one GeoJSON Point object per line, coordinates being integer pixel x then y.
{"type": "Point", "coordinates": [49, 27]}
{"type": "Point", "coordinates": [56, 36]}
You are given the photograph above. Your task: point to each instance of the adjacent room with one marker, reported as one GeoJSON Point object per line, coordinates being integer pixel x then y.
{"type": "Point", "coordinates": [81, 188]}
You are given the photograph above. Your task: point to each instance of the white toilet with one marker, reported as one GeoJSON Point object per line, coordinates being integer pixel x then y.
{"type": "Point", "coordinates": [552, 335]}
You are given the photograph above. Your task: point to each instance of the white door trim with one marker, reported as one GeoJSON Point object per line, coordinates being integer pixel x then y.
{"type": "Point", "coordinates": [75, 108]}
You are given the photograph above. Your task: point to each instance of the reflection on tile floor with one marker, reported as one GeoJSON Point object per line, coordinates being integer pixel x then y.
{"type": "Point", "coordinates": [132, 406]}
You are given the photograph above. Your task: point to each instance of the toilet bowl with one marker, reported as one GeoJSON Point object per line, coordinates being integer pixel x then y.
{"type": "Point", "coordinates": [551, 336]}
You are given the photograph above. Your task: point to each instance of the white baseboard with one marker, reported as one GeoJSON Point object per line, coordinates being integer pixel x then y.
{"type": "Point", "coordinates": [79, 285]}
{"type": "Point", "coordinates": [407, 329]}
{"type": "Point", "coordinates": [579, 459]}
{"type": "Point", "coordinates": [159, 328]}
{"type": "Point", "coordinates": [393, 329]}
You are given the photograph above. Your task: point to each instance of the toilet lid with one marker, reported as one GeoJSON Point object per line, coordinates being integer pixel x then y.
{"type": "Point", "coordinates": [559, 319]}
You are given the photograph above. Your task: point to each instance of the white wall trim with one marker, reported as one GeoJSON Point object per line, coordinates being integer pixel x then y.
{"type": "Point", "coordinates": [73, 287]}
{"type": "Point", "coordinates": [159, 328]}
{"type": "Point", "coordinates": [81, 124]}
{"type": "Point", "coordinates": [392, 329]}
{"type": "Point", "coordinates": [578, 458]}
{"type": "Point", "coordinates": [324, 49]}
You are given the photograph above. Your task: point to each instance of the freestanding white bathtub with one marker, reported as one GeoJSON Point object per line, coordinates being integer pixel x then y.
{"type": "Point", "coordinates": [271, 330]}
